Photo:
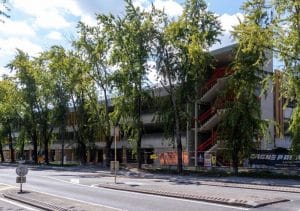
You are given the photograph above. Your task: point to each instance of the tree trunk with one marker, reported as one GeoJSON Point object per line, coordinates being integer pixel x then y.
{"type": "Point", "coordinates": [35, 147]}
{"type": "Point", "coordinates": [11, 147]}
{"type": "Point", "coordinates": [235, 162]}
{"type": "Point", "coordinates": [177, 124]}
{"type": "Point", "coordinates": [22, 150]}
{"type": "Point", "coordinates": [62, 148]}
{"type": "Point", "coordinates": [107, 151]}
{"type": "Point", "coordinates": [46, 151]}
{"type": "Point", "coordinates": [179, 153]}
{"type": "Point", "coordinates": [1, 153]}
{"type": "Point", "coordinates": [139, 150]}
{"type": "Point", "coordinates": [46, 143]}
{"type": "Point", "coordinates": [82, 152]}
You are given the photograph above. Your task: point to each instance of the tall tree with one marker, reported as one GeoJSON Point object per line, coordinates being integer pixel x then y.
{"type": "Point", "coordinates": [286, 24]}
{"type": "Point", "coordinates": [183, 59]}
{"type": "Point", "coordinates": [45, 100]}
{"type": "Point", "coordinates": [9, 107]}
{"type": "Point", "coordinates": [93, 45]}
{"type": "Point", "coordinates": [28, 90]}
{"type": "Point", "coordinates": [241, 122]}
{"type": "Point", "coordinates": [130, 53]}
{"type": "Point", "coordinates": [59, 65]}
{"type": "Point", "coordinates": [79, 86]}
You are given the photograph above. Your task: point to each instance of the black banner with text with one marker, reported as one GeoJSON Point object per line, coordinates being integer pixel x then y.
{"type": "Point", "coordinates": [271, 158]}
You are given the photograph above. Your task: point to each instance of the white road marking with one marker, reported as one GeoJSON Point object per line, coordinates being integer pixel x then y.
{"type": "Point", "coordinates": [81, 201]}
{"type": "Point", "coordinates": [18, 204]}
{"type": "Point", "coordinates": [6, 188]}
{"type": "Point", "coordinates": [186, 200]}
{"type": "Point", "coordinates": [6, 185]}
{"type": "Point", "coordinates": [76, 181]}
{"type": "Point", "coordinates": [91, 203]}
{"type": "Point", "coordinates": [179, 199]}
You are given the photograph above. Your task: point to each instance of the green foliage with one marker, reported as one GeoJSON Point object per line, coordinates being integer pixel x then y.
{"type": "Point", "coordinates": [94, 45]}
{"type": "Point", "coordinates": [183, 61]}
{"type": "Point", "coordinates": [241, 120]}
{"type": "Point", "coordinates": [132, 35]}
{"type": "Point", "coordinates": [287, 48]}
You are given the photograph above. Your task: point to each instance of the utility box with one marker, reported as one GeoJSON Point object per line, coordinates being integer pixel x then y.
{"type": "Point", "coordinates": [114, 165]}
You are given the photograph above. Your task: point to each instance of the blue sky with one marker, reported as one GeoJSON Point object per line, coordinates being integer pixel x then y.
{"type": "Point", "coordinates": [35, 25]}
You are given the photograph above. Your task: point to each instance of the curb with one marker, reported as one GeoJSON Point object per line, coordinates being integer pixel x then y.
{"type": "Point", "coordinates": [211, 199]}
{"type": "Point", "coordinates": [231, 184]}
{"type": "Point", "coordinates": [34, 203]}
{"type": "Point", "coordinates": [288, 189]}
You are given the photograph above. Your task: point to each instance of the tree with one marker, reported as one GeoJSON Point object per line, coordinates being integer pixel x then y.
{"type": "Point", "coordinates": [80, 88]}
{"type": "Point", "coordinates": [286, 24]}
{"type": "Point", "coordinates": [183, 60]}
{"type": "Point", "coordinates": [130, 53]}
{"type": "Point", "coordinates": [2, 137]}
{"type": "Point", "coordinates": [28, 91]}
{"type": "Point", "coordinates": [45, 84]}
{"type": "Point", "coordinates": [93, 45]}
{"type": "Point", "coordinates": [9, 107]}
{"type": "Point", "coordinates": [60, 67]}
{"type": "Point", "coordinates": [241, 122]}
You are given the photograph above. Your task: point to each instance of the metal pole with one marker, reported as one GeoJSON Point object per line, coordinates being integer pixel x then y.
{"type": "Point", "coordinates": [21, 185]}
{"type": "Point", "coordinates": [115, 155]}
{"type": "Point", "coordinates": [196, 133]}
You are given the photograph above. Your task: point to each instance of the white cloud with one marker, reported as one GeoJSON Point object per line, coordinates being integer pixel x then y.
{"type": "Point", "coordinates": [228, 21]}
{"type": "Point", "coordinates": [4, 71]}
{"type": "Point", "coordinates": [54, 35]}
{"type": "Point", "coordinates": [16, 28]}
{"type": "Point", "coordinates": [141, 3]}
{"type": "Point", "coordinates": [52, 14]}
{"type": "Point", "coordinates": [171, 7]}
{"type": "Point", "coordinates": [48, 14]}
{"type": "Point", "coordinates": [36, 7]}
{"type": "Point", "coordinates": [9, 46]}
{"type": "Point", "coordinates": [89, 20]}
{"type": "Point", "coordinates": [52, 20]}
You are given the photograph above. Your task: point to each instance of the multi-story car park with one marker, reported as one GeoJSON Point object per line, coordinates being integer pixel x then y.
{"type": "Point", "coordinates": [200, 137]}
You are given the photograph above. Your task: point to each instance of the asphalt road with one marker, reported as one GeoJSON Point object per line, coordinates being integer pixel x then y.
{"type": "Point", "coordinates": [46, 181]}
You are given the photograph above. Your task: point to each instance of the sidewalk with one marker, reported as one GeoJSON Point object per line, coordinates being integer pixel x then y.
{"type": "Point", "coordinates": [230, 179]}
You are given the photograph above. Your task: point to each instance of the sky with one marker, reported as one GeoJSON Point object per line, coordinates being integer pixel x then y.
{"type": "Point", "coordinates": [36, 25]}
